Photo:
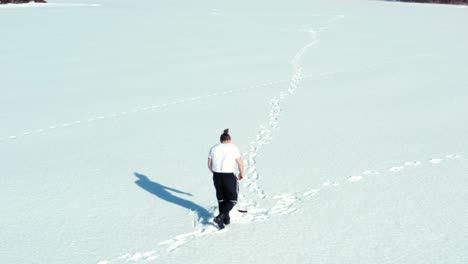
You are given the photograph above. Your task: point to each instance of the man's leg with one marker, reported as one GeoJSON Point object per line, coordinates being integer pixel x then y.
{"type": "Point", "coordinates": [230, 191]}
{"type": "Point", "coordinates": [218, 184]}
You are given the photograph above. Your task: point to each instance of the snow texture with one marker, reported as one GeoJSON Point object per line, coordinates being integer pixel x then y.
{"type": "Point", "coordinates": [349, 116]}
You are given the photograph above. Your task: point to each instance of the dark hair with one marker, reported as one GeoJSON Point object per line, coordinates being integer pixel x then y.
{"type": "Point", "coordinates": [225, 136]}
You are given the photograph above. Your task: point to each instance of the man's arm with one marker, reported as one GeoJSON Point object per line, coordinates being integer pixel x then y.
{"type": "Point", "coordinates": [240, 164]}
{"type": "Point", "coordinates": [210, 164]}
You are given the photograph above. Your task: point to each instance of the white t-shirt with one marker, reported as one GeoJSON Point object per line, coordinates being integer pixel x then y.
{"type": "Point", "coordinates": [224, 157]}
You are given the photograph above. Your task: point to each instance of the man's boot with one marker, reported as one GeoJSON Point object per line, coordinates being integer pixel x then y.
{"type": "Point", "coordinates": [219, 220]}
{"type": "Point", "coordinates": [227, 220]}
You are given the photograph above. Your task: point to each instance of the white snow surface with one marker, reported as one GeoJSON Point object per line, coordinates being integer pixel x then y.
{"type": "Point", "coordinates": [350, 116]}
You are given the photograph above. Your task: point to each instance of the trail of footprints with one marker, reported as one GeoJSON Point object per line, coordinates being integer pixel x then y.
{"type": "Point", "coordinates": [163, 107]}
{"type": "Point", "coordinates": [404, 165]}
{"type": "Point", "coordinates": [158, 108]}
{"type": "Point", "coordinates": [372, 173]}
{"type": "Point", "coordinates": [284, 204]}
{"type": "Point", "coordinates": [274, 113]}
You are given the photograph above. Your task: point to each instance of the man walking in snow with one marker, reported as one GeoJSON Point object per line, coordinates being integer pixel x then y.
{"type": "Point", "coordinates": [221, 162]}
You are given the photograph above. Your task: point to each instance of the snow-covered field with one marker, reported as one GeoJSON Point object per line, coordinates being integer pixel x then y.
{"type": "Point", "coordinates": [350, 116]}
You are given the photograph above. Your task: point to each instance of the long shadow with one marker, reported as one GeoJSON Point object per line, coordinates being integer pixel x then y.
{"type": "Point", "coordinates": [164, 193]}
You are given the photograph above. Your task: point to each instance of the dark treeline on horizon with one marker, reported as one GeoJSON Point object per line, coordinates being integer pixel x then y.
{"type": "Point", "coordinates": [21, 1]}
{"type": "Point", "coordinates": [453, 2]}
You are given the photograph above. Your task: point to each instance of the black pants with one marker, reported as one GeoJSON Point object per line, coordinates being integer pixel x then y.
{"type": "Point", "coordinates": [226, 191]}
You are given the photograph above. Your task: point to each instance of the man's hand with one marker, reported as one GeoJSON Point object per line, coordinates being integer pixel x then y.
{"type": "Point", "coordinates": [210, 165]}
{"type": "Point", "coordinates": [240, 163]}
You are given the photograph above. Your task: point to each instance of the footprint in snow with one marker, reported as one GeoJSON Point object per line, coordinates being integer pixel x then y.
{"type": "Point", "coordinates": [311, 192]}
{"type": "Point", "coordinates": [329, 183]}
{"type": "Point", "coordinates": [284, 205]}
{"type": "Point", "coordinates": [134, 257]}
{"type": "Point", "coordinates": [412, 163]}
{"type": "Point", "coordinates": [370, 172]}
{"type": "Point", "coordinates": [435, 161]}
{"type": "Point", "coordinates": [355, 178]}
{"type": "Point", "coordinates": [326, 184]}
{"type": "Point", "coordinates": [396, 169]}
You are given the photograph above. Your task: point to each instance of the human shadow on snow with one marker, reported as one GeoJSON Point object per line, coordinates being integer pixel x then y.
{"type": "Point", "coordinates": [165, 193]}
